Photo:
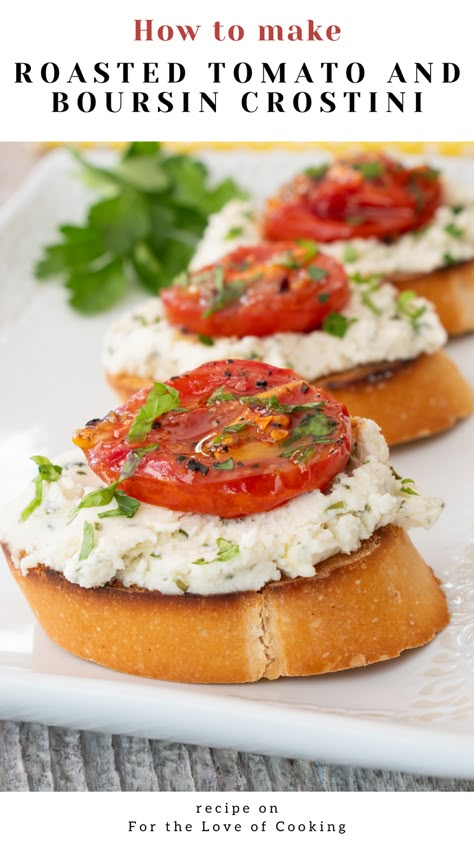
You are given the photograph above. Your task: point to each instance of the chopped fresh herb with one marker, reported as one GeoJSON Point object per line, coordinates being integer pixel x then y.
{"type": "Point", "coordinates": [226, 551]}
{"type": "Point", "coordinates": [337, 505]}
{"type": "Point", "coordinates": [316, 425]}
{"type": "Point", "coordinates": [449, 260]}
{"type": "Point", "coordinates": [289, 260]}
{"type": "Point", "coordinates": [406, 484]}
{"type": "Point", "coordinates": [316, 172]}
{"type": "Point", "coordinates": [227, 465]}
{"type": "Point", "coordinates": [161, 399]}
{"type": "Point", "coordinates": [182, 584]}
{"type": "Point", "coordinates": [337, 324]}
{"type": "Point", "coordinates": [225, 293]}
{"type": "Point", "coordinates": [370, 170]}
{"type": "Point", "coordinates": [431, 173]}
{"type": "Point", "coordinates": [420, 232]}
{"type": "Point", "coordinates": [407, 308]}
{"type": "Point", "coordinates": [323, 297]}
{"type": "Point", "coordinates": [183, 533]}
{"type": "Point", "coordinates": [98, 497]}
{"type": "Point", "coordinates": [49, 473]}
{"type": "Point", "coordinates": [368, 301]}
{"type": "Point", "coordinates": [88, 537]}
{"type": "Point", "coordinates": [220, 394]}
{"type": "Point", "coordinates": [133, 460]}
{"type": "Point", "coordinates": [235, 428]}
{"type": "Point", "coordinates": [182, 280]}
{"type": "Point", "coordinates": [234, 232]}
{"type": "Point", "coordinates": [154, 213]}
{"type": "Point", "coordinates": [299, 454]}
{"type": "Point", "coordinates": [454, 230]}
{"type": "Point", "coordinates": [205, 340]}
{"type": "Point", "coordinates": [126, 506]}
{"type": "Point", "coordinates": [271, 402]}
{"type": "Point", "coordinates": [457, 209]}
{"type": "Point", "coordinates": [350, 254]}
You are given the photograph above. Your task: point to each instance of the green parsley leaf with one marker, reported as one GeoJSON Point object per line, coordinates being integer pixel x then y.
{"type": "Point", "coordinates": [227, 465]}
{"type": "Point", "coordinates": [146, 228]}
{"type": "Point", "coordinates": [88, 539]}
{"type": "Point", "coordinates": [234, 232]}
{"type": "Point", "coordinates": [350, 254]}
{"type": "Point", "coordinates": [317, 273]}
{"type": "Point", "coordinates": [161, 399]}
{"type": "Point", "coordinates": [323, 297]}
{"type": "Point", "coordinates": [370, 170]}
{"type": "Point", "coordinates": [47, 472]}
{"type": "Point", "coordinates": [454, 230]}
{"type": "Point", "coordinates": [457, 209]}
{"type": "Point", "coordinates": [337, 324]}
{"type": "Point", "coordinates": [226, 551]}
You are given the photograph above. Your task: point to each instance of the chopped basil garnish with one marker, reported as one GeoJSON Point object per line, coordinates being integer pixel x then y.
{"type": "Point", "coordinates": [323, 297]}
{"type": "Point", "coordinates": [182, 584]}
{"type": "Point", "coordinates": [350, 254]}
{"type": "Point", "coordinates": [49, 473]}
{"type": "Point", "coordinates": [226, 551]}
{"type": "Point", "coordinates": [316, 425]}
{"type": "Point", "coordinates": [234, 232]}
{"type": "Point", "coordinates": [370, 170]}
{"type": "Point", "coordinates": [227, 465]}
{"type": "Point", "coordinates": [337, 505]}
{"type": "Point", "coordinates": [407, 309]}
{"type": "Point", "coordinates": [126, 506]}
{"type": "Point", "coordinates": [448, 259]}
{"type": "Point", "coordinates": [454, 230]}
{"type": "Point", "coordinates": [406, 483]}
{"type": "Point", "coordinates": [220, 394]}
{"type": "Point", "coordinates": [316, 172]}
{"type": "Point", "coordinates": [98, 497]}
{"type": "Point", "coordinates": [205, 340]}
{"type": "Point", "coordinates": [225, 293]}
{"type": "Point", "coordinates": [88, 537]}
{"type": "Point", "coordinates": [457, 209]}
{"type": "Point", "coordinates": [161, 399]}
{"type": "Point", "coordinates": [134, 459]}
{"type": "Point", "coordinates": [337, 324]}
{"type": "Point", "coordinates": [317, 273]}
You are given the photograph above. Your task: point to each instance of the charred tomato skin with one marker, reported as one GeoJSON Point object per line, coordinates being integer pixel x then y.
{"type": "Point", "coordinates": [245, 438]}
{"type": "Point", "coordinates": [259, 290]}
{"type": "Point", "coordinates": [363, 196]}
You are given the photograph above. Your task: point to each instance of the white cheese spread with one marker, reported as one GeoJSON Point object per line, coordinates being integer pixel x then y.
{"type": "Point", "coordinates": [448, 238]}
{"type": "Point", "coordinates": [158, 549]}
{"type": "Point", "coordinates": [142, 343]}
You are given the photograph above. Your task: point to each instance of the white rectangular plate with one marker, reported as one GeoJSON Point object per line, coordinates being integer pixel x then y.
{"type": "Point", "coordinates": [415, 713]}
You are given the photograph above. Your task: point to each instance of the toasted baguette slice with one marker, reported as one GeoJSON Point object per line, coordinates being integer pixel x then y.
{"type": "Point", "coordinates": [408, 399]}
{"type": "Point", "coordinates": [451, 289]}
{"type": "Point", "coordinates": [355, 610]}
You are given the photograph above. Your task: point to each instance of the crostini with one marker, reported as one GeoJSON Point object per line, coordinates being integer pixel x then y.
{"type": "Point", "coordinates": [365, 343]}
{"type": "Point", "coordinates": [230, 524]}
{"type": "Point", "coordinates": [378, 215]}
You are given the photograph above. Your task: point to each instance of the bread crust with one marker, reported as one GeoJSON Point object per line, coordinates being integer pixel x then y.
{"type": "Point", "coordinates": [408, 399]}
{"type": "Point", "coordinates": [450, 289]}
{"type": "Point", "coordinates": [355, 610]}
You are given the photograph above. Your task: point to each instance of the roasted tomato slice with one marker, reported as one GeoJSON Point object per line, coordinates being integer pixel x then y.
{"type": "Point", "coordinates": [241, 437]}
{"type": "Point", "coordinates": [259, 290]}
{"type": "Point", "coordinates": [365, 196]}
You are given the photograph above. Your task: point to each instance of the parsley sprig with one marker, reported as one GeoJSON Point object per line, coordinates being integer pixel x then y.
{"type": "Point", "coordinates": [407, 308]}
{"type": "Point", "coordinates": [145, 230]}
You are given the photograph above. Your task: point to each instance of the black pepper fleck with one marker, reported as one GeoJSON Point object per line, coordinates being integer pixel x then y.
{"type": "Point", "coordinates": [199, 467]}
{"type": "Point", "coordinates": [92, 422]}
{"type": "Point", "coordinates": [156, 425]}
{"type": "Point", "coordinates": [262, 384]}
{"type": "Point", "coordinates": [304, 388]}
